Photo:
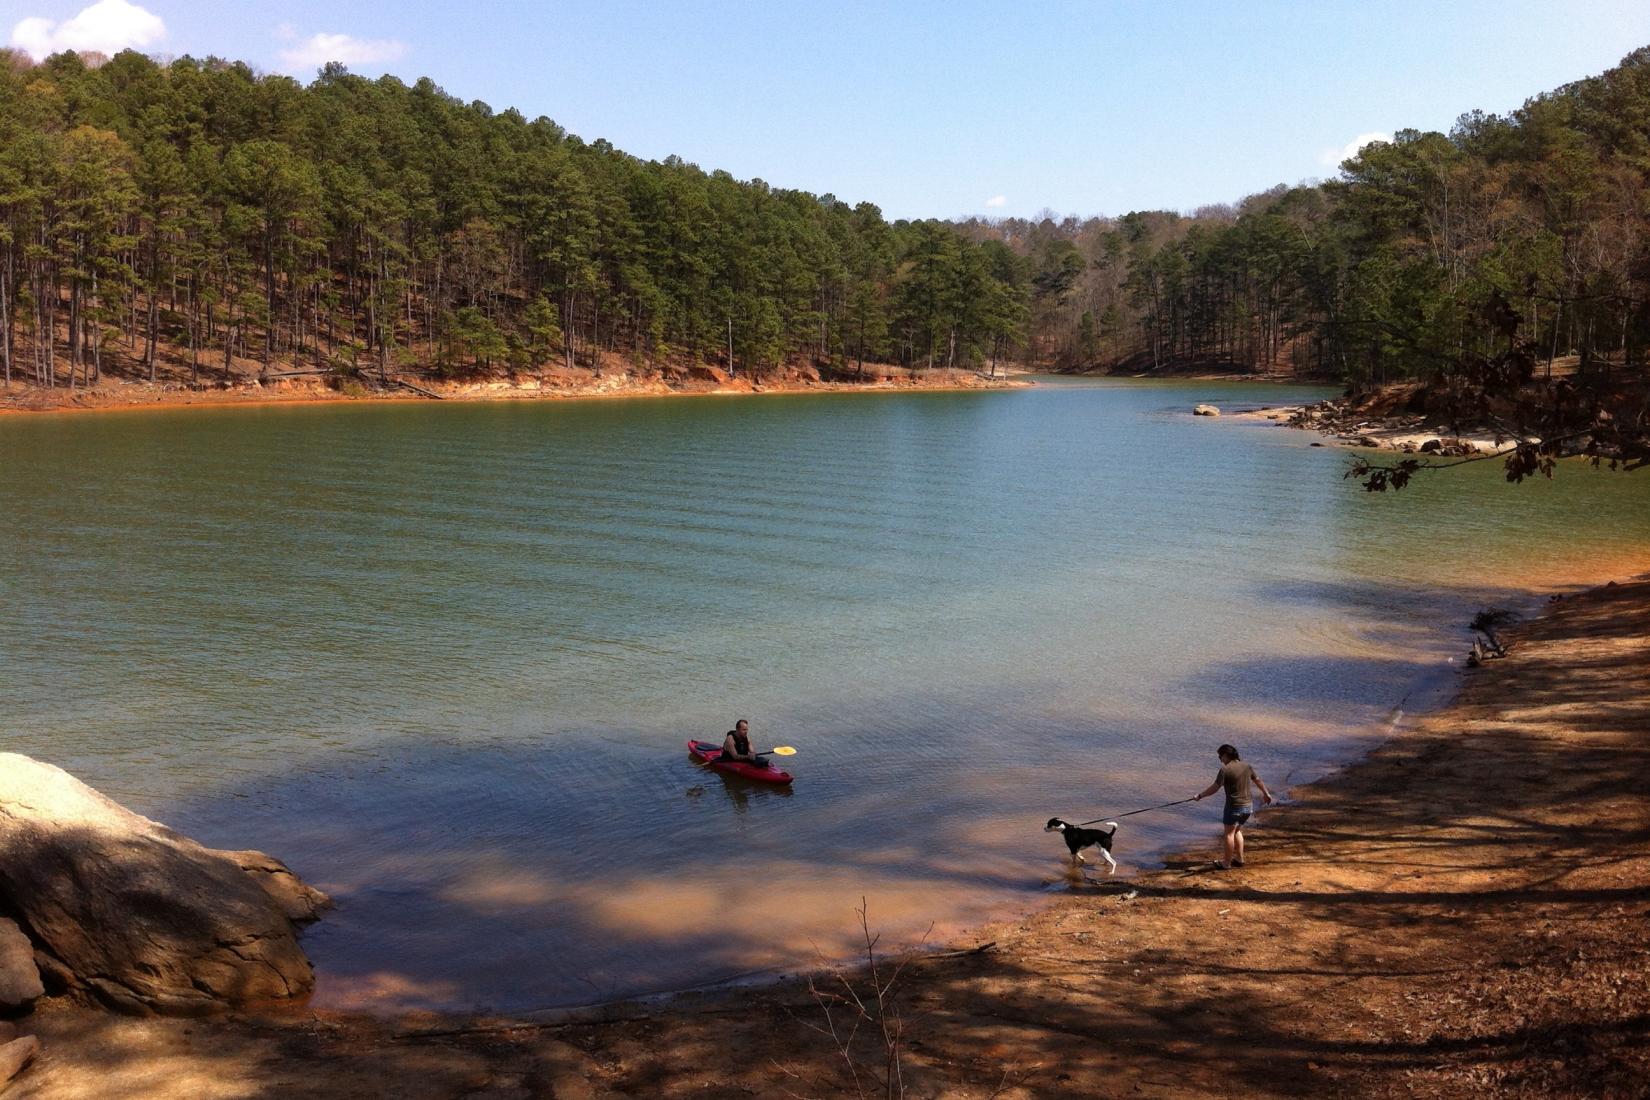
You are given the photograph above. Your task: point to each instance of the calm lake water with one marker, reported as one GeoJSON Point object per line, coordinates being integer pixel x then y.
{"type": "Point", "coordinates": [443, 659]}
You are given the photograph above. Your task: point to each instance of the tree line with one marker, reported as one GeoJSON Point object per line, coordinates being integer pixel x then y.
{"type": "Point", "coordinates": [1424, 249]}
{"type": "Point", "coordinates": [356, 224]}
{"type": "Point", "coordinates": [199, 210]}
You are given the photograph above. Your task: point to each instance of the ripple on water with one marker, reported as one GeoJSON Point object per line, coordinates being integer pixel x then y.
{"type": "Point", "coordinates": [445, 660]}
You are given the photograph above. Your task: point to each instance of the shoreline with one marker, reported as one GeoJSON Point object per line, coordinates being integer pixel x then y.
{"type": "Point", "coordinates": [1379, 433]}
{"type": "Point", "coordinates": [1459, 923]}
{"type": "Point", "coordinates": [143, 397]}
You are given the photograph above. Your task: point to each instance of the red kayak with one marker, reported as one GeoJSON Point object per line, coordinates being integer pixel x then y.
{"type": "Point", "coordinates": [707, 753]}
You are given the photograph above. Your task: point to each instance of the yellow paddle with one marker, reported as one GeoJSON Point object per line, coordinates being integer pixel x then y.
{"type": "Point", "coordinates": [777, 750]}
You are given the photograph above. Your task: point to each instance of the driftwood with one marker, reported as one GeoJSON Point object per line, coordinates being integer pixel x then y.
{"type": "Point", "coordinates": [1484, 623]}
{"type": "Point", "coordinates": [533, 1025]}
{"type": "Point", "coordinates": [980, 950]}
{"type": "Point", "coordinates": [1482, 651]}
{"type": "Point", "coordinates": [504, 1027]}
{"type": "Point", "coordinates": [418, 389]}
{"type": "Point", "coordinates": [272, 375]}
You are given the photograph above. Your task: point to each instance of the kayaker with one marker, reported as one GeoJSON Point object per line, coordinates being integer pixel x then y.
{"type": "Point", "coordinates": [736, 746]}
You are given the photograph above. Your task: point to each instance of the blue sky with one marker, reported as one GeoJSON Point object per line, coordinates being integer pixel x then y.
{"type": "Point", "coordinates": [928, 109]}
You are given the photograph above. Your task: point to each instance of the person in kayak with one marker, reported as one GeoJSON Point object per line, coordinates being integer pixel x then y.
{"type": "Point", "coordinates": [736, 746]}
{"type": "Point", "coordinates": [1235, 775]}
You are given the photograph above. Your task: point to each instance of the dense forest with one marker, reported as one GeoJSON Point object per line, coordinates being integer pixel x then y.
{"type": "Point", "coordinates": [201, 211]}
{"type": "Point", "coordinates": [367, 224]}
{"type": "Point", "coordinates": [1425, 246]}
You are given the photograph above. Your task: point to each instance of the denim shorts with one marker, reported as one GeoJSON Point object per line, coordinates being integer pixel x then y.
{"type": "Point", "coordinates": [1236, 815]}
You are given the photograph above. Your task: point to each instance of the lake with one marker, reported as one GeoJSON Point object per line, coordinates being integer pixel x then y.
{"type": "Point", "coordinates": [444, 659]}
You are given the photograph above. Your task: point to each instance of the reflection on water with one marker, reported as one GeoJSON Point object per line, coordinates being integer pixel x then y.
{"type": "Point", "coordinates": [444, 660]}
{"type": "Point", "coordinates": [739, 792]}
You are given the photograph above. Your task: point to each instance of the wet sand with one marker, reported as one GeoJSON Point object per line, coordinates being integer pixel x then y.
{"type": "Point", "coordinates": [1462, 913]}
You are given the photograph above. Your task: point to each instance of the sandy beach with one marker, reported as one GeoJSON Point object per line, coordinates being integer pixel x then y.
{"type": "Point", "coordinates": [1461, 913]}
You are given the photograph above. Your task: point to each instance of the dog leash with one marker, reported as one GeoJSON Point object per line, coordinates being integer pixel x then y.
{"type": "Point", "coordinates": [1131, 813]}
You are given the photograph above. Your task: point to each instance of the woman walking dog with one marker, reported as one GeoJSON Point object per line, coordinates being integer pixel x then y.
{"type": "Point", "coordinates": [1235, 775]}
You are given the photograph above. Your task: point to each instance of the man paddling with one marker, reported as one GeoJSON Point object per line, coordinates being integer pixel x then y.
{"type": "Point", "coordinates": [1235, 775]}
{"type": "Point", "coordinates": [736, 746]}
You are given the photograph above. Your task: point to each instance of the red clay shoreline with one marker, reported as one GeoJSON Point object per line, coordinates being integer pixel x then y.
{"type": "Point", "coordinates": [140, 396]}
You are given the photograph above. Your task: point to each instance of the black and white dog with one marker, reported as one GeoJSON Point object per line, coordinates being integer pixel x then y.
{"type": "Point", "coordinates": [1078, 839]}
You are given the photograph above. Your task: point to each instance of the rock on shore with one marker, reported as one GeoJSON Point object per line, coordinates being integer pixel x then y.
{"type": "Point", "coordinates": [143, 917]}
{"type": "Point", "coordinates": [19, 977]}
{"type": "Point", "coordinates": [1394, 419]}
{"type": "Point", "coordinates": [15, 1055]}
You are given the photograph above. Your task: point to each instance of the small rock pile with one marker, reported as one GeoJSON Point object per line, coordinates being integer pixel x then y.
{"type": "Point", "coordinates": [1452, 448]}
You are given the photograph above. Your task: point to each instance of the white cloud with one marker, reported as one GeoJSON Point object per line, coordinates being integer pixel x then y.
{"type": "Point", "coordinates": [318, 49]}
{"type": "Point", "coordinates": [1333, 157]}
{"type": "Point", "coordinates": [107, 27]}
{"type": "Point", "coordinates": [997, 200]}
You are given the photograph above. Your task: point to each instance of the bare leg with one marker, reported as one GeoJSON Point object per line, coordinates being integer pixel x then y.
{"type": "Point", "coordinates": [1230, 845]}
{"type": "Point", "coordinates": [1237, 837]}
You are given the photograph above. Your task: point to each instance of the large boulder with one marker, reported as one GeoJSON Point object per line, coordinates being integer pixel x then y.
{"type": "Point", "coordinates": [144, 917]}
{"type": "Point", "coordinates": [1205, 410]}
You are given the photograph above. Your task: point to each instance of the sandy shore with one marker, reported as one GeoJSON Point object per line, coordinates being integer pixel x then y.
{"type": "Point", "coordinates": [1465, 912]}
{"type": "Point", "coordinates": [116, 395]}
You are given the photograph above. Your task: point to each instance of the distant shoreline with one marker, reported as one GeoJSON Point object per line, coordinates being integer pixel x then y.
{"type": "Point", "coordinates": [124, 396]}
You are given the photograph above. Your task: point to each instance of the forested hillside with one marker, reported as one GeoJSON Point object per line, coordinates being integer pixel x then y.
{"type": "Point", "coordinates": [367, 224]}
{"type": "Point", "coordinates": [1425, 247]}
{"type": "Point", "coordinates": [200, 213]}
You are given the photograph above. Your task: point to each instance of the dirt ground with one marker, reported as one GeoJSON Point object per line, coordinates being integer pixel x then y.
{"type": "Point", "coordinates": [123, 393]}
{"type": "Point", "coordinates": [1466, 912]}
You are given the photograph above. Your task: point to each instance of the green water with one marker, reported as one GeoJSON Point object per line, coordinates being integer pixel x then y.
{"type": "Point", "coordinates": [444, 658]}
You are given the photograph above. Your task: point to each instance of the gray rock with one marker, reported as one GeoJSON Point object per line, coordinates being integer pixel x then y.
{"type": "Point", "coordinates": [19, 977]}
{"type": "Point", "coordinates": [144, 917]}
{"type": "Point", "coordinates": [17, 1054]}
{"type": "Point", "coordinates": [1205, 410]}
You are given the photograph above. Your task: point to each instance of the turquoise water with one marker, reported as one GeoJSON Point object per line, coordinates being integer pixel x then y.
{"type": "Point", "coordinates": [443, 659]}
